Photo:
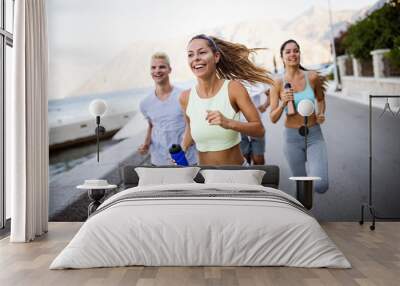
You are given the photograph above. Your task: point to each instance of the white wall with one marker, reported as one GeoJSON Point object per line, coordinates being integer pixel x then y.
{"type": "Point", "coordinates": [361, 87]}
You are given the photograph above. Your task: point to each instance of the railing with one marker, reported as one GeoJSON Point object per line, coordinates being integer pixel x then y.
{"type": "Point", "coordinates": [377, 67]}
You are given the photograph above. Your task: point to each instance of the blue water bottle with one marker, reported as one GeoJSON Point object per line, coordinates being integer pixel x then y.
{"type": "Point", "coordinates": [178, 155]}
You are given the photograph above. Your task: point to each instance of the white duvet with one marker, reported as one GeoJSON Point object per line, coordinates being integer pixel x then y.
{"type": "Point", "coordinates": [185, 231]}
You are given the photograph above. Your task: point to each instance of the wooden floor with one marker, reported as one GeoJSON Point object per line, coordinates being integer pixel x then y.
{"type": "Point", "coordinates": [374, 255]}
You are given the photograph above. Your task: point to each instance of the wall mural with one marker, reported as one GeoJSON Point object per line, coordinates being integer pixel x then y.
{"type": "Point", "coordinates": [238, 90]}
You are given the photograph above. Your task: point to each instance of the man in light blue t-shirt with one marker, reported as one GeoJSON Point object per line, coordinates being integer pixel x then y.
{"type": "Point", "coordinates": [162, 110]}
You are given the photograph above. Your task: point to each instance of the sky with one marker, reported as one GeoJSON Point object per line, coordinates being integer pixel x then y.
{"type": "Point", "coordinates": [85, 34]}
{"type": "Point", "coordinates": [124, 21]}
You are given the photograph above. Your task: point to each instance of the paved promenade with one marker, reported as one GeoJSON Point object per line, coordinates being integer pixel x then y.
{"type": "Point", "coordinates": [346, 133]}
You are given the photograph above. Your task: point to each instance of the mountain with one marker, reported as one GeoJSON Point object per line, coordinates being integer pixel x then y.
{"type": "Point", "coordinates": [314, 23]}
{"type": "Point", "coordinates": [130, 68]}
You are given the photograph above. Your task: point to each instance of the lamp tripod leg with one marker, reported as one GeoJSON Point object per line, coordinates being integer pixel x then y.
{"type": "Point", "coordinates": [305, 144]}
{"type": "Point", "coordinates": [97, 138]}
{"type": "Point", "coordinates": [372, 211]}
{"type": "Point", "coordinates": [362, 215]}
{"type": "Point", "coordinates": [305, 136]}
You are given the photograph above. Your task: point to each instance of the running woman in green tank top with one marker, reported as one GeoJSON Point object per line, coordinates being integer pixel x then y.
{"type": "Point", "coordinates": [212, 106]}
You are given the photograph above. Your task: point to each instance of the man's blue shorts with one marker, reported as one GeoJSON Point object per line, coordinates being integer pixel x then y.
{"type": "Point", "coordinates": [252, 145]}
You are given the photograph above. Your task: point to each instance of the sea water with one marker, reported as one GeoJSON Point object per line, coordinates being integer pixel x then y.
{"type": "Point", "coordinates": [76, 109]}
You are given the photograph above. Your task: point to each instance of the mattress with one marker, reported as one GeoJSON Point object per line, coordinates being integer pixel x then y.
{"type": "Point", "coordinates": [201, 225]}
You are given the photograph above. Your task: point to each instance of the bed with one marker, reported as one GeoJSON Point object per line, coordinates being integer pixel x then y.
{"type": "Point", "coordinates": [201, 224]}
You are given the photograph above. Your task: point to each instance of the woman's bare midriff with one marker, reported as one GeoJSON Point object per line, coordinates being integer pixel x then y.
{"type": "Point", "coordinates": [296, 121]}
{"type": "Point", "coordinates": [231, 156]}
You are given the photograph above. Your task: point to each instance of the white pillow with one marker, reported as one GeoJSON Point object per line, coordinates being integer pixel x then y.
{"type": "Point", "coordinates": [166, 176]}
{"type": "Point", "coordinates": [249, 177]}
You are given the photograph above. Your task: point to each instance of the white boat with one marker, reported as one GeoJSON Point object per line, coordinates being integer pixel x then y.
{"type": "Point", "coordinates": [70, 122]}
{"type": "Point", "coordinates": [68, 134]}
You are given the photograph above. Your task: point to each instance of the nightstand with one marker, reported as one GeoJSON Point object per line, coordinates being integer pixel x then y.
{"type": "Point", "coordinates": [304, 190]}
{"type": "Point", "coordinates": [96, 191]}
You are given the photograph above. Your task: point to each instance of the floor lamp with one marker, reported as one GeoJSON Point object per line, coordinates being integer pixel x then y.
{"type": "Point", "coordinates": [304, 185]}
{"type": "Point", "coordinates": [305, 108]}
{"type": "Point", "coordinates": [96, 188]}
{"type": "Point", "coordinates": [97, 108]}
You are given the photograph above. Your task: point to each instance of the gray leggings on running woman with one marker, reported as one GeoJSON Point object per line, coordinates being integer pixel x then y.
{"type": "Point", "coordinates": [317, 158]}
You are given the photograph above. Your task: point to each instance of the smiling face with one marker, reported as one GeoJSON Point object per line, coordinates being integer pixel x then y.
{"type": "Point", "coordinates": [160, 70]}
{"type": "Point", "coordinates": [291, 54]}
{"type": "Point", "coordinates": [201, 58]}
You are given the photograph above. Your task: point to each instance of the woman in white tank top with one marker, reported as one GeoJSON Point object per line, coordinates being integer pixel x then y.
{"type": "Point", "coordinates": [212, 106]}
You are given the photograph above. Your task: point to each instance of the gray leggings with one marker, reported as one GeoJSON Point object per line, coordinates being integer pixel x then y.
{"type": "Point", "coordinates": [317, 158]}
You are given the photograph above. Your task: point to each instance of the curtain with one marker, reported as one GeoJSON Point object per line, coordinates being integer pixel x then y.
{"type": "Point", "coordinates": [28, 127]}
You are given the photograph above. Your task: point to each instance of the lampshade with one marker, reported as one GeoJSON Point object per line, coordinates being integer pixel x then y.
{"type": "Point", "coordinates": [305, 107]}
{"type": "Point", "coordinates": [97, 107]}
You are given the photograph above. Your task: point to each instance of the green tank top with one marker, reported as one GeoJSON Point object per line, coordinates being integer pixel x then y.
{"type": "Point", "coordinates": [211, 137]}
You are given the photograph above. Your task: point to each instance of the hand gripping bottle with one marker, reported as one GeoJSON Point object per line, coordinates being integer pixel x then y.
{"type": "Point", "coordinates": [178, 155]}
{"type": "Point", "coordinates": [290, 104]}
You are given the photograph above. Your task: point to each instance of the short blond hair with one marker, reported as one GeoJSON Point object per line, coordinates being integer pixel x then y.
{"type": "Point", "coordinates": [162, 56]}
